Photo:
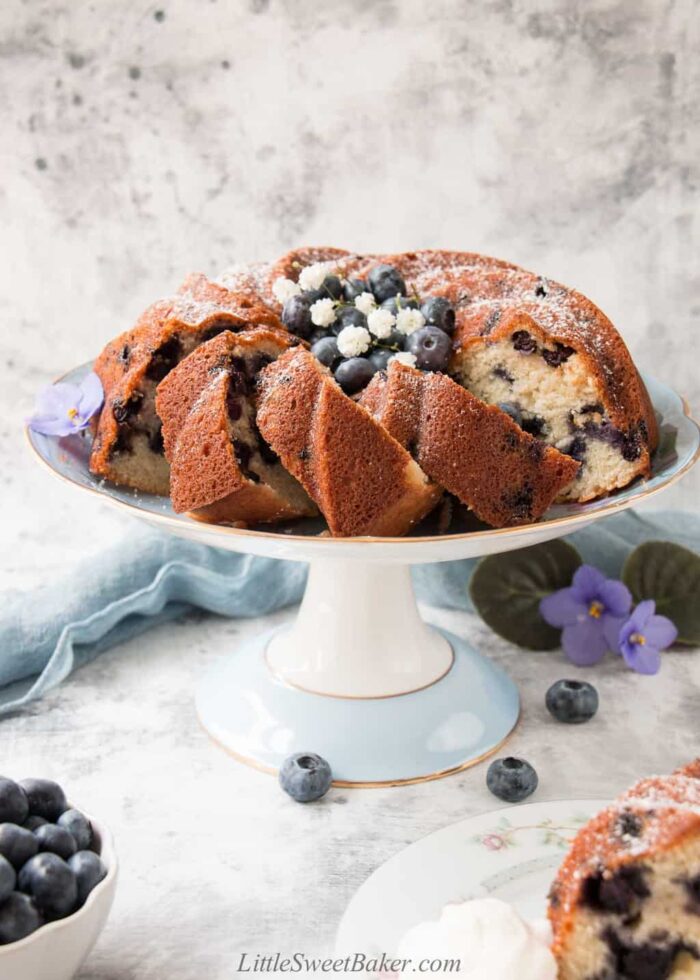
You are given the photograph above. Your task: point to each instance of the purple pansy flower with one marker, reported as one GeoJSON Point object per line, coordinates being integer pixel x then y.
{"type": "Point", "coordinates": [644, 636]}
{"type": "Point", "coordinates": [63, 409]}
{"type": "Point", "coordinates": [590, 614]}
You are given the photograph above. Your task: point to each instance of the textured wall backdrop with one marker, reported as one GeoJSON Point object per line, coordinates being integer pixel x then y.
{"type": "Point", "coordinates": [143, 139]}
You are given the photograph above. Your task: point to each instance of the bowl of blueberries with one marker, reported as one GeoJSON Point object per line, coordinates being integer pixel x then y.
{"type": "Point", "coordinates": [58, 875]}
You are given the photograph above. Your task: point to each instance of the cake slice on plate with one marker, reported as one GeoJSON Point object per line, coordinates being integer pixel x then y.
{"type": "Point", "coordinates": [625, 904]}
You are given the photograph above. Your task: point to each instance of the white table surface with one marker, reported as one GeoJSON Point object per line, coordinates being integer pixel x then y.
{"type": "Point", "coordinates": [216, 860]}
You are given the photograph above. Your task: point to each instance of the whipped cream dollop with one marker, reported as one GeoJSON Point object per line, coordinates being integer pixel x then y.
{"type": "Point", "coordinates": [489, 939]}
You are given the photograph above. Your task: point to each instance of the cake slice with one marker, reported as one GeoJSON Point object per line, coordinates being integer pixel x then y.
{"type": "Point", "coordinates": [128, 445]}
{"type": "Point", "coordinates": [221, 469]}
{"type": "Point", "coordinates": [363, 481]}
{"type": "Point", "coordinates": [475, 451]}
{"type": "Point", "coordinates": [626, 900]}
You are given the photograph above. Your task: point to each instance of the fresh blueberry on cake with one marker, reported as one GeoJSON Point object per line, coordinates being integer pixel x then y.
{"type": "Point", "coordinates": [625, 904]}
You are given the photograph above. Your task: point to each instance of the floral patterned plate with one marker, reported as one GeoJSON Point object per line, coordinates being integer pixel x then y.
{"type": "Point", "coordinates": [512, 854]}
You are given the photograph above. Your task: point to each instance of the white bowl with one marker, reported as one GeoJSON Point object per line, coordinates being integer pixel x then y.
{"type": "Point", "coordinates": [56, 951]}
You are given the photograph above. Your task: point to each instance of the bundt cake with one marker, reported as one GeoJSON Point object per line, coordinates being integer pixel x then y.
{"type": "Point", "coordinates": [128, 446]}
{"type": "Point", "coordinates": [363, 481]}
{"type": "Point", "coordinates": [625, 904]}
{"type": "Point", "coordinates": [473, 450]}
{"type": "Point", "coordinates": [544, 353]}
{"type": "Point", "coordinates": [221, 469]}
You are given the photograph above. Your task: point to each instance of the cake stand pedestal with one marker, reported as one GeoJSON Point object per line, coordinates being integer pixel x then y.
{"type": "Point", "coordinates": [363, 681]}
{"type": "Point", "coordinates": [359, 677]}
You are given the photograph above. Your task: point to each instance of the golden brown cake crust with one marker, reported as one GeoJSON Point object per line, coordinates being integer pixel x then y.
{"type": "Point", "coordinates": [656, 814]}
{"type": "Point", "coordinates": [474, 450]}
{"type": "Point", "coordinates": [363, 481]}
{"type": "Point", "coordinates": [195, 402]}
{"type": "Point", "coordinates": [130, 363]}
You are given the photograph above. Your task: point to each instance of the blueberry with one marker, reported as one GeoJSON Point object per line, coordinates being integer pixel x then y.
{"type": "Point", "coordinates": [558, 356]}
{"type": "Point", "coordinates": [17, 844]}
{"type": "Point", "coordinates": [352, 288]}
{"type": "Point", "coordinates": [379, 358]}
{"type": "Point", "coordinates": [18, 918]}
{"type": "Point", "coordinates": [386, 281]}
{"type": "Point", "coordinates": [14, 806]}
{"type": "Point", "coordinates": [396, 340]}
{"type": "Point", "coordinates": [311, 295]}
{"type": "Point", "coordinates": [510, 408]}
{"type": "Point", "coordinates": [296, 315]}
{"type": "Point", "coordinates": [56, 839]}
{"type": "Point", "coordinates": [89, 871]}
{"type": "Point", "coordinates": [354, 374]}
{"type": "Point", "coordinates": [332, 287]}
{"type": "Point", "coordinates": [326, 351]}
{"type": "Point", "coordinates": [439, 313]}
{"type": "Point", "coordinates": [79, 826]}
{"type": "Point", "coordinates": [432, 348]}
{"type": "Point", "coordinates": [348, 316]}
{"type": "Point", "coordinates": [511, 779]}
{"type": "Point", "coordinates": [572, 702]}
{"type": "Point", "coordinates": [8, 879]}
{"type": "Point", "coordinates": [305, 776]}
{"type": "Point", "coordinates": [51, 883]}
{"type": "Point", "coordinates": [524, 342]}
{"type": "Point", "coordinates": [396, 303]}
{"type": "Point", "coordinates": [31, 823]}
{"type": "Point", "coordinates": [46, 798]}
{"type": "Point", "coordinates": [318, 334]}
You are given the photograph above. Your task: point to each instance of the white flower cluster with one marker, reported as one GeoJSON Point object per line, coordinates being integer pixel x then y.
{"type": "Point", "coordinates": [312, 276]}
{"type": "Point", "coordinates": [381, 323]}
{"type": "Point", "coordinates": [404, 357]}
{"type": "Point", "coordinates": [408, 321]}
{"type": "Point", "coordinates": [323, 312]}
{"type": "Point", "coordinates": [353, 341]}
{"type": "Point", "coordinates": [365, 303]}
{"type": "Point", "coordinates": [283, 289]}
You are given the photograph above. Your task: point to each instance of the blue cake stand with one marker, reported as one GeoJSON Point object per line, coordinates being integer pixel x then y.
{"type": "Point", "coordinates": [358, 676]}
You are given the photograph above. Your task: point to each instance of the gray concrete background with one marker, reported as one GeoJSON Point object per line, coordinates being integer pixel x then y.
{"type": "Point", "coordinates": [144, 140]}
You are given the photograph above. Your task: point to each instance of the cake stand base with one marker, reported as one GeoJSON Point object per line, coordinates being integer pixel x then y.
{"type": "Point", "coordinates": [442, 728]}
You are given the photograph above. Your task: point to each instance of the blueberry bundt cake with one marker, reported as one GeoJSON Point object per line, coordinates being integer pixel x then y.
{"type": "Point", "coordinates": [625, 904]}
{"type": "Point", "coordinates": [221, 469]}
{"type": "Point", "coordinates": [128, 445]}
{"type": "Point", "coordinates": [541, 352]}
{"type": "Point", "coordinates": [473, 450]}
{"type": "Point", "coordinates": [363, 481]}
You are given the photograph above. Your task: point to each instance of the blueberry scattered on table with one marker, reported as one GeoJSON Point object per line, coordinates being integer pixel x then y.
{"type": "Point", "coordinates": [48, 859]}
{"type": "Point", "coordinates": [511, 779]}
{"type": "Point", "coordinates": [305, 776]}
{"type": "Point", "coordinates": [572, 702]}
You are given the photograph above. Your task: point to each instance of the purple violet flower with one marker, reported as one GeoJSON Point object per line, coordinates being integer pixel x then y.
{"type": "Point", "coordinates": [63, 409]}
{"type": "Point", "coordinates": [590, 613]}
{"type": "Point", "coordinates": [644, 636]}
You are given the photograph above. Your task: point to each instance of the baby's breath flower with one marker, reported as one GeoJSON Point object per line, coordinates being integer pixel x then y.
{"type": "Point", "coordinates": [404, 357]}
{"type": "Point", "coordinates": [312, 276]}
{"type": "Point", "coordinates": [283, 289]}
{"type": "Point", "coordinates": [323, 312]}
{"type": "Point", "coordinates": [365, 303]}
{"type": "Point", "coordinates": [408, 321]}
{"type": "Point", "coordinates": [381, 323]}
{"type": "Point", "coordinates": [353, 341]}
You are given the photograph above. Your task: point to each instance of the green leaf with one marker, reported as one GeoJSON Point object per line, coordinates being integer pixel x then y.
{"type": "Point", "coordinates": [506, 591]}
{"type": "Point", "coordinates": [670, 575]}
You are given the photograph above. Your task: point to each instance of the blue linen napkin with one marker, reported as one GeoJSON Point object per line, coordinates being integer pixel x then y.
{"type": "Point", "coordinates": [151, 578]}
